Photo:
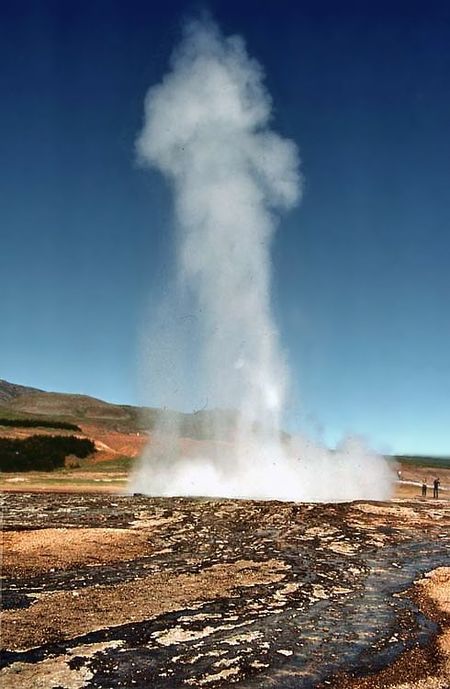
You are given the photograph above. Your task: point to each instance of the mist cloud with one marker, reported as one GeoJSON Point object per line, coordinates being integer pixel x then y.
{"type": "Point", "coordinates": [207, 129]}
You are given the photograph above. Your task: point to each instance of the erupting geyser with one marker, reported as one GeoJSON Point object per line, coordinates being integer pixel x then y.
{"type": "Point", "coordinates": [207, 130]}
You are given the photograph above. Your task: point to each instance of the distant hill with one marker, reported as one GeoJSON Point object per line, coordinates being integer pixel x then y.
{"type": "Point", "coordinates": [21, 402]}
{"type": "Point", "coordinates": [17, 401]}
{"type": "Point", "coordinates": [10, 391]}
{"type": "Point", "coordinates": [423, 461]}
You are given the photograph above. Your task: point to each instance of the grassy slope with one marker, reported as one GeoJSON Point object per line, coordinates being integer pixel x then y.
{"type": "Point", "coordinates": [421, 461]}
{"type": "Point", "coordinates": [18, 402]}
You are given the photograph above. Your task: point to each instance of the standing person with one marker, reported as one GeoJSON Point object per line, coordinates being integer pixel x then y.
{"type": "Point", "coordinates": [424, 489]}
{"type": "Point", "coordinates": [436, 483]}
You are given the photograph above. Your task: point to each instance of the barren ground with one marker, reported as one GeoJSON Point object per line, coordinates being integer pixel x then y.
{"type": "Point", "coordinates": [106, 591]}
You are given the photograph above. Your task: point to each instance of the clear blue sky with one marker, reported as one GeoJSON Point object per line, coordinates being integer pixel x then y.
{"type": "Point", "coordinates": [361, 268]}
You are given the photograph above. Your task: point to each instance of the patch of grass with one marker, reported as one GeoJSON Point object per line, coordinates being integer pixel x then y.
{"type": "Point", "coordinates": [11, 414]}
{"type": "Point", "coordinates": [423, 461]}
{"type": "Point", "coordinates": [120, 464]}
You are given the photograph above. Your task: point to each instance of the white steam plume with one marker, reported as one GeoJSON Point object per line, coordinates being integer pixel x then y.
{"type": "Point", "coordinates": [207, 130]}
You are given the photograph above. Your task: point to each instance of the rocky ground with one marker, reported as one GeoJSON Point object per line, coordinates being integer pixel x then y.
{"type": "Point", "coordinates": [106, 591]}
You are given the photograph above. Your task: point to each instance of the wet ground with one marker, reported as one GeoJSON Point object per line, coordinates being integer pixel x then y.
{"type": "Point", "coordinates": [104, 591]}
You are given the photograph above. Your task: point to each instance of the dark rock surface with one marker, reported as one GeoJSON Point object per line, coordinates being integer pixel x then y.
{"type": "Point", "coordinates": [215, 592]}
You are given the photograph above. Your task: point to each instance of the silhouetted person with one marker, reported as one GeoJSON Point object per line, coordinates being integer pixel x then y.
{"type": "Point", "coordinates": [424, 490]}
{"type": "Point", "coordinates": [436, 483]}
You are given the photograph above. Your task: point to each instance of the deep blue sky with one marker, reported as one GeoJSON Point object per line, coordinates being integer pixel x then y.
{"type": "Point", "coordinates": [361, 268]}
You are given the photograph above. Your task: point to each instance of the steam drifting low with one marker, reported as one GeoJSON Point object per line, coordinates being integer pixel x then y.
{"type": "Point", "coordinates": [207, 129]}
